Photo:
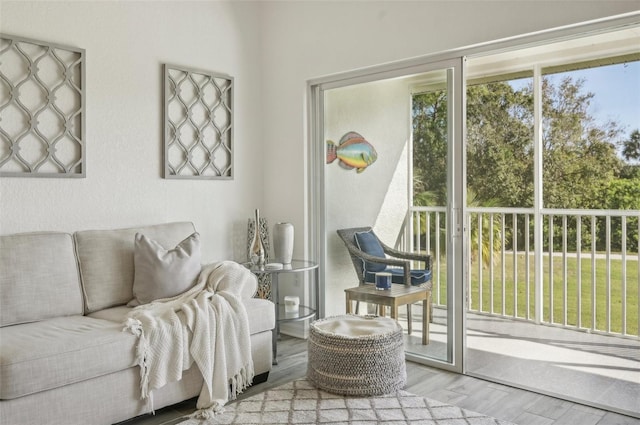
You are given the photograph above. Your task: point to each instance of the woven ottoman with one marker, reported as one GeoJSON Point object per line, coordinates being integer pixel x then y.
{"type": "Point", "coordinates": [356, 355]}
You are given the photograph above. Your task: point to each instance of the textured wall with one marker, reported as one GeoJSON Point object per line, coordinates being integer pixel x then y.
{"type": "Point", "coordinates": [126, 44]}
{"type": "Point", "coordinates": [378, 196]}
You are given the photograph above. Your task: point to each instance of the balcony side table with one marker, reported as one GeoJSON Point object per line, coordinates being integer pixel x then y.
{"type": "Point", "coordinates": [304, 312]}
{"type": "Point", "coordinates": [395, 297]}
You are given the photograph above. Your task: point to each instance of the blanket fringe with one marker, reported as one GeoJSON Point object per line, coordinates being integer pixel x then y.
{"type": "Point", "coordinates": [241, 381]}
{"type": "Point", "coordinates": [135, 327]}
{"type": "Point", "coordinates": [207, 412]}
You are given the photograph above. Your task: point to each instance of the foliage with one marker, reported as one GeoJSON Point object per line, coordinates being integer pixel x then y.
{"type": "Point", "coordinates": [516, 283]}
{"type": "Point", "coordinates": [579, 157]}
{"type": "Point", "coordinates": [488, 222]}
{"type": "Point", "coordinates": [622, 194]}
{"type": "Point", "coordinates": [631, 147]}
{"type": "Point", "coordinates": [430, 144]}
{"type": "Point", "coordinates": [581, 169]}
{"type": "Point", "coordinates": [420, 222]}
{"type": "Point", "coordinates": [630, 171]}
{"type": "Point", "coordinates": [499, 144]}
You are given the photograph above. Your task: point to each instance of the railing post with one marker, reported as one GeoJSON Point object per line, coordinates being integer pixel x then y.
{"type": "Point", "coordinates": [437, 233]}
{"type": "Point", "coordinates": [514, 231]}
{"type": "Point", "coordinates": [593, 273]}
{"type": "Point", "coordinates": [468, 253]}
{"type": "Point", "coordinates": [491, 275]}
{"type": "Point", "coordinates": [550, 271]}
{"type": "Point", "coordinates": [527, 264]}
{"type": "Point", "coordinates": [608, 272]}
{"type": "Point", "coordinates": [503, 275]}
{"type": "Point", "coordinates": [538, 244]}
{"type": "Point", "coordinates": [480, 259]}
{"type": "Point", "coordinates": [623, 248]}
{"type": "Point", "coordinates": [579, 270]}
{"type": "Point", "coordinates": [565, 286]}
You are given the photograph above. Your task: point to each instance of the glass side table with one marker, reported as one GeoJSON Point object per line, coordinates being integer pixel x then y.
{"type": "Point", "coordinates": [304, 311]}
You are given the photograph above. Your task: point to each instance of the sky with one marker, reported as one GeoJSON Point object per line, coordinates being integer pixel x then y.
{"type": "Point", "coordinates": [617, 93]}
{"type": "Point", "coordinates": [616, 90]}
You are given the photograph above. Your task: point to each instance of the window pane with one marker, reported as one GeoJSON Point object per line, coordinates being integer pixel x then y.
{"type": "Point", "coordinates": [500, 144]}
{"type": "Point", "coordinates": [590, 138]}
{"type": "Point", "coordinates": [429, 118]}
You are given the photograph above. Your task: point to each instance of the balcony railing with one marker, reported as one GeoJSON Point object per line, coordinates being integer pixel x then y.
{"type": "Point", "coordinates": [582, 273]}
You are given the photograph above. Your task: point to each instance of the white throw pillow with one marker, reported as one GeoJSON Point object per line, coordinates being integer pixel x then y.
{"type": "Point", "coordinates": [161, 273]}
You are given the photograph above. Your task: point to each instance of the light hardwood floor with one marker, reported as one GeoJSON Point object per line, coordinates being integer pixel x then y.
{"type": "Point", "coordinates": [500, 401]}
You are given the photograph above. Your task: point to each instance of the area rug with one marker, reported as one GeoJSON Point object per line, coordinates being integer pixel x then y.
{"type": "Point", "coordinates": [300, 403]}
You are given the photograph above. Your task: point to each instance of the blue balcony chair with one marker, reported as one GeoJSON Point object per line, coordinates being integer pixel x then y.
{"type": "Point", "coordinates": [369, 256]}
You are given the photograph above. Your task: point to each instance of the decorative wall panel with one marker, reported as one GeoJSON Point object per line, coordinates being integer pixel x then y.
{"type": "Point", "coordinates": [198, 120]}
{"type": "Point", "coordinates": [42, 109]}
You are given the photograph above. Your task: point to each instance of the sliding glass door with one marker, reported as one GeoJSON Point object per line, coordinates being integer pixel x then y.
{"type": "Point", "coordinates": [435, 212]}
{"type": "Point", "coordinates": [379, 111]}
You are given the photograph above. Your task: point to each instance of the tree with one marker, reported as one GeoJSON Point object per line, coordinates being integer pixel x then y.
{"type": "Point", "coordinates": [430, 145]}
{"type": "Point", "coordinates": [579, 157]}
{"type": "Point", "coordinates": [631, 147]}
{"type": "Point", "coordinates": [621, 194]}
{"type": "Point", "coordinates": [631, 152]}
{"type": "Point", "coordinates": [499, 144]}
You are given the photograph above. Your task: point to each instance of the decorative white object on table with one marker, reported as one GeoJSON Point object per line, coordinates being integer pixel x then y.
{"type": "Point", "coordinates": [283, 242]}
{"type": "Point", "coordinates": [273, 266]}
{"type": "Point", "coordinates": [291, 304]}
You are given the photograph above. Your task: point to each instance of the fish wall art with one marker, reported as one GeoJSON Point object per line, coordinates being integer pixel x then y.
{"type": "Point", "coordinates": [353, 151]}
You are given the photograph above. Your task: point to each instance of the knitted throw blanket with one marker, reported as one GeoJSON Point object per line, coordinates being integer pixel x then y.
{"type": "Point", "coordinates": [206, 325]}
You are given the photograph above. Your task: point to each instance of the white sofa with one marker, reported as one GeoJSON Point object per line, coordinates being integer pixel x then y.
{"type": "Point", "coordinates": [64, 358]}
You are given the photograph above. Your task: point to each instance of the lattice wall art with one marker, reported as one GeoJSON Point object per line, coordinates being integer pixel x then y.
{"type": "Point", "coordinates": [198, 131]}
{"type": "Point", "coordinates": [42, 109]}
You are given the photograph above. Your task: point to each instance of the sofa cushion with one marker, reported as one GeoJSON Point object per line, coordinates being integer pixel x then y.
{"type": "Point", "coordinates": [369, 243]}
{"type": "Point", "coordinates": [39, 277]}
{"type": "Point", "coordinates": [163, 272]}
{"type": "Point", "coordinates": [52, 353]}
{"type": "Point", "coordinates": [106, 260]}
{"type": "Point", "coordinates": [261, 314]}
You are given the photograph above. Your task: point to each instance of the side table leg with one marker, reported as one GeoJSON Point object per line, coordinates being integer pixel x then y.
{"type": "Point", "coordinates": [276, 330]}
{"type": "Point", "coordinates": [425, 319]}
{"type": "Point", "coordinates": [274, 345]}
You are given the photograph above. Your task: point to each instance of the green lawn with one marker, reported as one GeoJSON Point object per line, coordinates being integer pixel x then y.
{"type": "Point", "coordinates": [559, 291]}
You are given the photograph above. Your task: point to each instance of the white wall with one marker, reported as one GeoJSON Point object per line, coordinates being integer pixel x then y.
{"type": "Point", "coordinates": [376, 197]}
{"type": "Point", "coordinates": [126, 44]}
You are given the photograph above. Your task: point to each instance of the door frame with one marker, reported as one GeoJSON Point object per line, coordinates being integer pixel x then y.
{"type": "Point", "coordinates": [455, 184]}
